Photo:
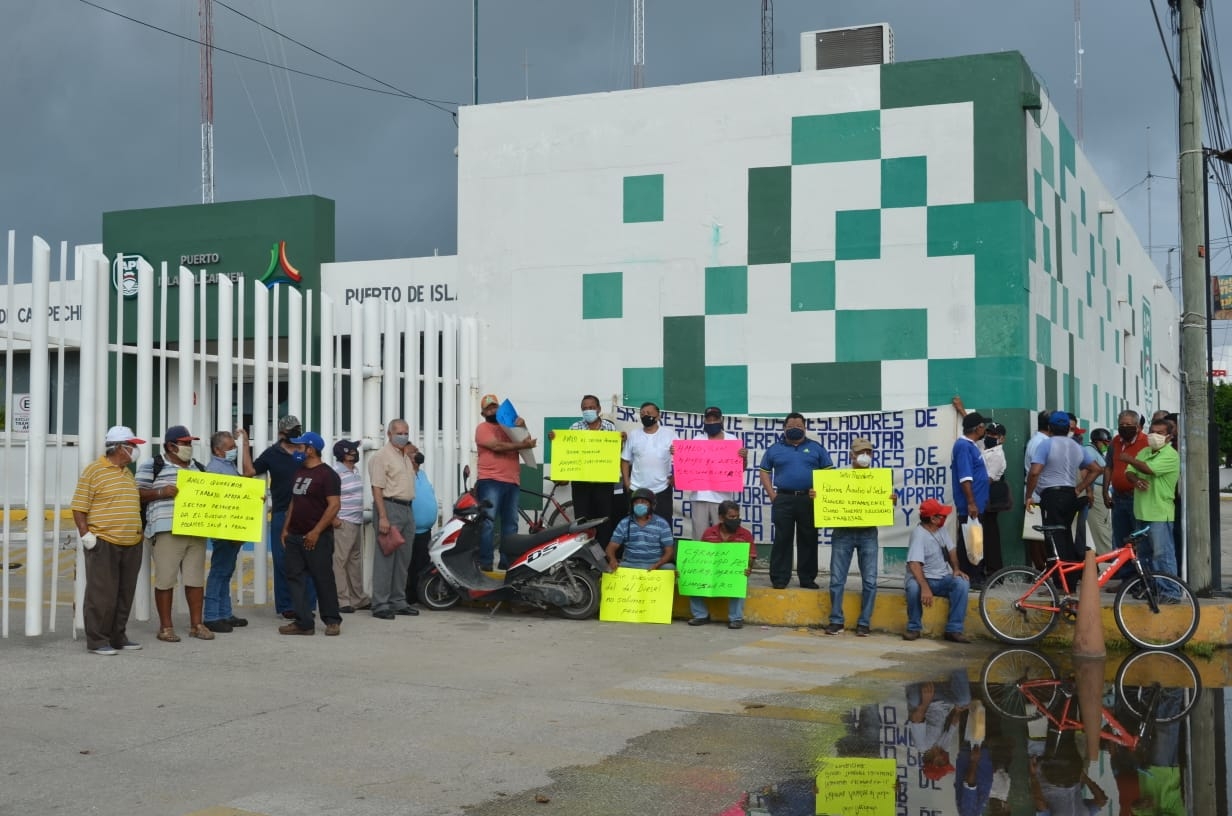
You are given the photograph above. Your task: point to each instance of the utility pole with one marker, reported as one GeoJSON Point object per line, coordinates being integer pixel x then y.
{"type": "Point", "coordinates": [475, 52]}
{"type": "Point", "coordinates": [639, 43]}
{"type": "Point", "coordinates": [205, 11]}
{"type": "Point", "coordinates": [767, 37]}
{"type": "Point", "coordinates": [1194, 317]}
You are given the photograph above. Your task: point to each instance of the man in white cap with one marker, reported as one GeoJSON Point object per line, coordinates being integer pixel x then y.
{"type": "Point", "coordinates": [107, 513]}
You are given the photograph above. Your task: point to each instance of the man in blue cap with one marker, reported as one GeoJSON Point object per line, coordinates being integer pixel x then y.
{"type": "Point", "coordinates": [308, 535]}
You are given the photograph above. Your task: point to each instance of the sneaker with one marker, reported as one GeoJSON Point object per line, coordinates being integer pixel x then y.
{"type": "Point", "coordinates": [779, 586]}
{"type": "Point", "coordinates": [699, 621]}
{"type": "Point", "coordinates": [834, 629]}
{"type": "Point", "coordinates": [735, 624]}
{"type": "Point", "coordinates": [809, 585]}
{"type": "Point", "coordinates": [293, 629]}
{"type": "Point", "coordinates": [384, 614]}
{"type": "Point", "coordinates": [862, 631]}
{"type": "Point", "coordinates": [408, 610]}
{"type": "Point", "coordinates": [347, 610]}
{"type": "Point", "coordinates": [909, 635]}
{"type": "Point", "coordinates": [237, 622]}
{"type": "Point", "coordinates": [129, 646]}
{"type": "Point", "coordinates": [218, 626]}
{"type": "Point", "coordinates": [957, 637]}
{"type": "Point", "coordinates": [333, 629]}
{"type": "Point", "coordinates": [106, 650]}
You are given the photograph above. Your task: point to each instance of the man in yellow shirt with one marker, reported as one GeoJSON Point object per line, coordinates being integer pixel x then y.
{"type": "Point", "coordinates": [107, 513]}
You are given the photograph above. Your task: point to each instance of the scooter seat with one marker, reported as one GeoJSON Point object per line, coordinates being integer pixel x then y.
{"type": "Point", "coordinates": [515, 545]}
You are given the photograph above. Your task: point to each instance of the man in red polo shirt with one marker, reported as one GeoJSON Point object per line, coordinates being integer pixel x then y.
{"type": "Point", "coordinates": [1118, 490]}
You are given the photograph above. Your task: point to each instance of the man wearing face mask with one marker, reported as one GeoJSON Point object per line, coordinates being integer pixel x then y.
{"type": "Point", "coordinates": [1099, 518]}
{"type": "Point", "coordinates": [727, 531]}
{"type": "Point", "coordinates": [704, 505]}
{"type": "Point", "coordinates": [229, 453]}
{"type": "Point", "coordinates": [277, 461]}
{"type": "Point", "coordinates": [174, 555]}
{"type": "Point", "coordinates": [970, 476]}
{"type": "Point", "coordinates": [1118, 488]}
{"type": "Point", "coordinates": [392, 474]}
{"type": "Point", "coordinates": [348, 525]}
{"type": "Point", "coordinates": [1154, 474]}
{"type": "Point", "coordinates": [107, 513]}
{"type": "Point", "coordinates": [646, 461]}
{"type": "Point", "coordinates": [787, 478]}
{"type": "Point", "coordinates": [308, 535]}
{"type": "Point", "coordinates": [500, 477]}
{"type": "Point", "coordinates": [1061, 472]}
{"type": "Point", "coordinates": [999, 499]}
{"type": "Point", "coordinates": [593, 500]}
{"type": "Point", "coordinates": [647, 539]}
{"type": "Point", "coordinates": [858, 541]}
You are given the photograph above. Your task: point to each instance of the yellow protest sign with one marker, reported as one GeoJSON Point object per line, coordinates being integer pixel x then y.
{"type": "Point", "coordinates": [856, 786]}
{"type": "Point", "coordinates": [632, 595]}
{"type": "Point", "coordinates": [209, 505]}
{"type": "Point", "coordinates": [853, 498]}
{"type": "Point", "coordinates": [586, 456]}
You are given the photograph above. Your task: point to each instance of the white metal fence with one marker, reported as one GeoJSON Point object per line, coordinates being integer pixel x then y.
{"type": "Point", "coordinates": [402, 362]}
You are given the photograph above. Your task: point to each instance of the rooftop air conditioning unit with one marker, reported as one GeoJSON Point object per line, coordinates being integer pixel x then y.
{"type": "Point", "coordinates": [846, 47]}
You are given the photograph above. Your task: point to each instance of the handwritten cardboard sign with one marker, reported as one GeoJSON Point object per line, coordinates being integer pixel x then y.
{"type": "Point", "coordinates": [708, 464]}
{"type": "Point", "coordinates": [713, 570]}
{"type": "Point", "coordinates": [633, 595]}
{"type": "Point", "coordinates": [586, 456]}
{"type": "Point", "coordinates": [230, 508]}
{"type": "Point", "coordinates": [853, 498]}
{"type": "Point", "coordinates": [855, 786]}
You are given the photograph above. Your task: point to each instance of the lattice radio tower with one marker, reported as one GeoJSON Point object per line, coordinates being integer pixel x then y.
{"type": "Point", "coordinates": [767, 37]}
{"type": "Point", "coordinates": [206, 14]}
{"type": "Point", "coordinates": [639, 43]}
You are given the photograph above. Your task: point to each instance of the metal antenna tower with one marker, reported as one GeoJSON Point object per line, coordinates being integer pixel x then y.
{"type": "Point", "coordinates": [639, 43]}
{"type": "Point", "coordinates": [205, 11]}
{"type": "Point", "coordinates": [1078, 63]}
{"type": "Point", "coordinates": [767, 37]}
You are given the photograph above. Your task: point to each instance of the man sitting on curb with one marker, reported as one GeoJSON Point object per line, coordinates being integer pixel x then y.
{"type": "Point", "coordinates": [645, 536]}
{"type": "Point", "coordinates": [727, 531]}
{"type": "Point", "coordinates": [932, 569]}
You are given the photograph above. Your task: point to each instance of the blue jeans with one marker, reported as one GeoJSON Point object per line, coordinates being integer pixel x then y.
{"type": "Point", "coordinates": [950, 587]}
{"type": "Point", "coordinates": [1162, 557]}
{"type": "Point", "coordinates": [862, 541]}
{"type": "Point", "coordinates": [735, 608]}
{"type": "Point", "coordinates": [282, 590]}
{"type": "Point", "coordinates": [218, 582]}
{"type": "Point", "coordinates": [504, 499]}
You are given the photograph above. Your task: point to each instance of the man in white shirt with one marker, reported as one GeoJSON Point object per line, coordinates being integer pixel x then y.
{"type": "Point", "coordinates": [704, 504]}
{"type": "Point", "coordinates": [646, 461]}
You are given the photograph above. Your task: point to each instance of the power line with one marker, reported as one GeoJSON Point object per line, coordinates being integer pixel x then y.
{"type": "Point", "coordinates": [1164, 41]}
{"type": "Point", "coordinates": [431, 102]}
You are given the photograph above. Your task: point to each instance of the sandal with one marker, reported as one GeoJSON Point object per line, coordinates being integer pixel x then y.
{"type": "Point", "coordinates": [168, 635]}
{"type": "Point", "coordinates": [200, 631]}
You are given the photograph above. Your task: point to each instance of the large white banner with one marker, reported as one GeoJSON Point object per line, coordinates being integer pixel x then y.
{"type": "Point", "coordinates": [915, 444]}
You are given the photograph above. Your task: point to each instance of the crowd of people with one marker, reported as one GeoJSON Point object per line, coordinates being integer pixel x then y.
{"type": "Point", "coordinates": [316, 515]}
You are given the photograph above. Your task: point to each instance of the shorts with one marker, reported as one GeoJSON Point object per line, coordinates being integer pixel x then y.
{"type": "Point", "coordinates": [176, 553]}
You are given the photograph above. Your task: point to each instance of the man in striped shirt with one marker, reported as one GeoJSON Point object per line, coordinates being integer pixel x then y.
{"type": "Point", "coordinates": [107, 513]}
{"type": "Point", "coordinates": [348, 548]}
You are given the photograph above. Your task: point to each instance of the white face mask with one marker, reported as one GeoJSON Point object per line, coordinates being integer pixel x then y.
{"type": "Point", "coordinates": [184, 452]}
{"type": "Point", "coordinates": [232, 455]}
{"type": "Point", "coordinates": [864, 460]}
{"type": "Point", "coordinates": [1156, 441]}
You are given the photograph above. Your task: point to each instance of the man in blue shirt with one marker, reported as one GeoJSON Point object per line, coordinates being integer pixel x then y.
{"type": "Point", "coordinates": [1061, 471]}
{"type": "Point", "coordinates": [970, 485]}
{"type": "Point", "coordinates": [646, 537]}
{"type": "Point", "coordinates": [787, 477]}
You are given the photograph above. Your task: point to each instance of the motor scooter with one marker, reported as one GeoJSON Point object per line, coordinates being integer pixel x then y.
{"type": "Point", "coordinates": [557, 567]}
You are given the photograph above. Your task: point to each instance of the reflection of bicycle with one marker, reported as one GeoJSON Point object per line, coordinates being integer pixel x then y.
{"type": "Point", "coordinates": [1158, 687]}
{"type": "Point", "coordinates": [550, 514]}
{"type": "Point", "coordinates": [1152, 610]}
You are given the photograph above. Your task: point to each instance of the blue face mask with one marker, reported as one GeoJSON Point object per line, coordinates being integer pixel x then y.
{"type": "Point", "coordinates": [589, 415]}
{"type": "Point", "coordinates": [712, 428]}
{"type": "Point", "coordinates": [640, 510]}
{"type": "Point", "coordinates": [300, 457]}
{"type": "Point", "coordinates": [794, 434]}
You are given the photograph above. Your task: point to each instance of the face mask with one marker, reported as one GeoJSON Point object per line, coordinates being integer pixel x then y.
{"type": "Point", "coordinates": [300, 457]}
{"type": "Point", "coordinates": [731, 525]}
{"type": "Point", "coordinates": [641, 510]}
{"type": "Point", "coordinates": [232, 455]}
{"type": "Point", "coordinates": [712, 428]}
{"type": "Point", "coordinates": [990, 442]}
{"type": "Point", "coordinates": [491, 419]}
{"type": "Point", "coordinates": [794, 434]}
{"type": "Point", "coordinates": [1128, 434]}
{"type": "Point", "coordinates": [183, 452]}
{"type": "Point", "coordinates": [1156, 441]}
{"type": "Point", "coordinates": [419, 458]}
{"type": "Point", "coordinates": [864, 460]}
{"type": "Point", "coordinates": [589, 415]}
{"type": "Point", "coordinates": [648, 421]}
{"type": "Point", "coordinates": [400, 440]}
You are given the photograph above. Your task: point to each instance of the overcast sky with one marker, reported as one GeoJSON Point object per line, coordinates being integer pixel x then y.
{"type": "Point", "coordinates": [98, 113]}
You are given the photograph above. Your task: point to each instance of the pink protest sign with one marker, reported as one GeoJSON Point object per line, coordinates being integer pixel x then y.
{"type": "Point", "coordinates": [708, 464]}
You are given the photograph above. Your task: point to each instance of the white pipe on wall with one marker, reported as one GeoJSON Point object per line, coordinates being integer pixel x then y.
{"type": "Point", "coordinates": [225, 361]}
{"type": "Point", "coordinates": [59, 476]}
{"type": "Point", "coordinates": [410, 373]}
{"type": "Point", "coordinates": [430, 372]}
{"type": "Point", "coordinates": [89, 423]}
{"type": "Point", "coordinates": [145, 407]}
{"type": "Point", "coordinates": [295, 355]}
{"type": "Point", "coordinates": [357, 376]}
{"type": "Point", "coordinates": [5, 551]}
{"type": "Point", "coordinates": [372, 374]}
{"type": "Point", "coordinates": [450, 436]}
{"type": "Point", "coordinates": [260, 422]}
{"type": "Point", "coordinates": [36, 440]}
{"type": "Point", "coordinates": [184, 370]}
{"type": "Point", "coordinates": [389, 383]}
{"type": "Point", "coordinates": [328, 384]}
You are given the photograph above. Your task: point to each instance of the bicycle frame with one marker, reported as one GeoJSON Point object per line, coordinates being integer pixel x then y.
{"type": "Point", "coordinates": [1112, 731]}
{"type": "Point", "coordinates": [535, 519]}
{"type": "Point", "coordinates": [1115, 560]}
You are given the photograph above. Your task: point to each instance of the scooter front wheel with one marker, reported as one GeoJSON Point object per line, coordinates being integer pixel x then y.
{"type": "Point", "coordinates": [435, 592]}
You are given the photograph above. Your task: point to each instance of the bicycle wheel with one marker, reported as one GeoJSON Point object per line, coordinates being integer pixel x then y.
{"type": "Point", "coordinates": [1172, 672]}
{"type": "Point", "coordinates": [1005, 672]}
{"type": "Point", "coordinates": [562, 516]}
{"type": "Point", "coordinates": [1002, 610]}
{"type": "Point", "coordinates": [1169, 628]}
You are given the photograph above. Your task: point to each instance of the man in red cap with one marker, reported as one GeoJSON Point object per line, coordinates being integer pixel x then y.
{"type": "Point", "coordinates": [932, 569]}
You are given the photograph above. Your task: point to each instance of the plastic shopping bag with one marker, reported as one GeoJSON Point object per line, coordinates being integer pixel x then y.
{"type": "Point", "coordinates": [973, 539]}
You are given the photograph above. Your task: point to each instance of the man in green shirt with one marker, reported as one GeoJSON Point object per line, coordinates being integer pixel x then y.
{"type": "Point", "coordinates": [1153, 473]}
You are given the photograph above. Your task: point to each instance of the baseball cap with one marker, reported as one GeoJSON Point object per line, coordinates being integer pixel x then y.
{"type": "Point", "coordinates": [972, 421]}
{"type": "Point", "coordinates": [344, 446]}
{"type": "Point", "coordinates": [1058, 420]}
{"type": "Point", "coordinates": [488, 399]}
{"type": "Point", "coordinates": [937, 772]}
{"type": "Point", "coordinates": [713, 411]}
{"type": "Point", "coordinates": [932, 507]}
{"type": "Point", "coordinates": [861, 444]}
{"type": "Point", "coordinates": [288, 422]}
{"type": "Point", "coordinates": [117, 434]}
{"type": "Point", "coordinates": [310, 439]}
{"type": "Point", "coordinates": [178, 433]}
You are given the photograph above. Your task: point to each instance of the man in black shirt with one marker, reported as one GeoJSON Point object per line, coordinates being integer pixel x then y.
{"type": "Point", "coordinates": [278, 462]}
{"type": "Point", "coordinates": [308, 535]}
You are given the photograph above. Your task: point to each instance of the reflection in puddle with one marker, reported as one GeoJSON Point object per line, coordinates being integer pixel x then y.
{"type": "Point", "coordinates": [1031, 734]}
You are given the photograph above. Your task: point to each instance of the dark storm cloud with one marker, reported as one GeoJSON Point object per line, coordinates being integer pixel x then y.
{"type": "Point", "coordinates": [102, 114]}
